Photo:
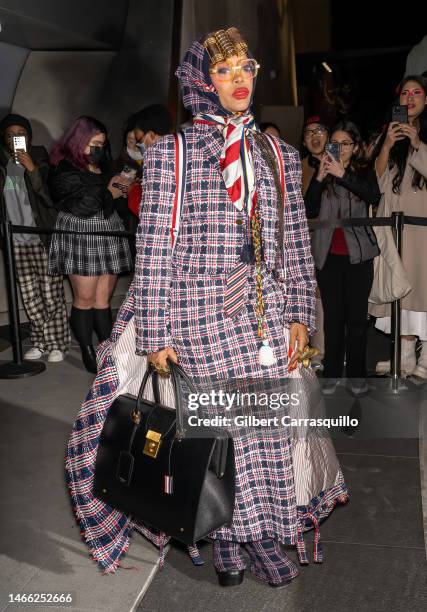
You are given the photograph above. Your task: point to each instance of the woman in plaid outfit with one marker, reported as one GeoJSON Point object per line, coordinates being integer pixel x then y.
{"type": "Point", "coordinates": [218, 305]}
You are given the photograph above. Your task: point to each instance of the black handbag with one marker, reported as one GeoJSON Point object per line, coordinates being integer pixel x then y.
{"type": "Point", "coordinates": [145, 466]}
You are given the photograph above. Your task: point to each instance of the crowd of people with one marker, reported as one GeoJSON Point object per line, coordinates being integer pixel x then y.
{"type": "Point", "coordinates": [80, 188]}
{"type": "Point", "coordinates": [387, 172]}
{"type": "Point", "coordinates": [77, 188]}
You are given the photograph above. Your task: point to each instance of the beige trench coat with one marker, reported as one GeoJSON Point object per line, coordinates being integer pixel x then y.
{"type": "Point", "coordinates": [414, 243]}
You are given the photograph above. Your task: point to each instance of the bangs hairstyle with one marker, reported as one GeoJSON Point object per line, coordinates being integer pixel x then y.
{"type": "Point", "coordinates": [400, 150]}
{"type": "Point", "coordinates": [72, 144]}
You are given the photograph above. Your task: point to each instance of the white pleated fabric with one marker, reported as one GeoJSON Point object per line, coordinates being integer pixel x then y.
{"type": "Point", "coordinates": [411, 324]}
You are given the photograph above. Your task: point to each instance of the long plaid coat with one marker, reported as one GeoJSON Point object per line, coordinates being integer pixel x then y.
{"type": "Point", "coordinates": [177, 301]}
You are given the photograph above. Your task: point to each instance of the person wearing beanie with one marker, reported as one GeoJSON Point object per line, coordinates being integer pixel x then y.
{"type": "Point", "coordinates": [25, 200]}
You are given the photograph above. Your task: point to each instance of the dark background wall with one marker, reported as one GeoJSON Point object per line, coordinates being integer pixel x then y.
{"type": "Point", "coordinates": [60, 59]}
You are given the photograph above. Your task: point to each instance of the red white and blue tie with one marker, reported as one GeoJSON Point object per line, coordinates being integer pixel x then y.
{"type": "Point", "coordinates": [238, 172]}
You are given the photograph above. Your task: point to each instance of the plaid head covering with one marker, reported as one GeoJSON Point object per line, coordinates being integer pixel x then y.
{"type": "Point", "coordinates": [198, 93]}
{"type": "Point", "coordinates": [202, 100]}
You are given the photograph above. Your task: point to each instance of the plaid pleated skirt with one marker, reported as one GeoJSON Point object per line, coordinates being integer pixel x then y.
{"type": "Point", "coordinates": [89, 255]}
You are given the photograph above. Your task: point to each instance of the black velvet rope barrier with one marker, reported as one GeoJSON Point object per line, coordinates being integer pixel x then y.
{"type": "Point", "coordinates": [24, 229]}
{"type": "Point", "coordinates": [312, 224]}
{"type": "Point", "coordinates": [19, 367]}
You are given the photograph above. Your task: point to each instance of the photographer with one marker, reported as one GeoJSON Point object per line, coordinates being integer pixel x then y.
{"type": "Point", "coordinates": [25, 200]}
{"type": "Point", "coordinates": [344, 188]}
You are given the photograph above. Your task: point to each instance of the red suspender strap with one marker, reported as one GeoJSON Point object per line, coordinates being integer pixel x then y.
{"type": "Point", "coordinates": [180, 167]}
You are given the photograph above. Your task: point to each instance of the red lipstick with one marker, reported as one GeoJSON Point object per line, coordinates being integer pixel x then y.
{"type": "Point", "coordinates": [241, 93]}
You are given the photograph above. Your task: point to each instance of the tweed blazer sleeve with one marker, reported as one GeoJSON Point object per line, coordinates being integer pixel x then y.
{"type": "Point", "coordinates": [153, 272]}
{"type": "Point", "coordinates": [300, 282]}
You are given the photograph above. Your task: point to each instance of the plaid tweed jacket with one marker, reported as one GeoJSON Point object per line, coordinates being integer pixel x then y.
{"type": "Point", "coordinates": [212, 233]}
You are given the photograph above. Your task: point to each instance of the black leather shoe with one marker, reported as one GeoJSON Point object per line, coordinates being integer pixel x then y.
{"type": "Point", "coordinates": [230, 577]}
{"type": "Point", "coordinates": [89, 358]}
{"type": "Point", "coordinates": [280, 585]}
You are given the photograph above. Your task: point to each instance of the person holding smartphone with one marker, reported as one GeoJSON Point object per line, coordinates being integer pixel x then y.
{"type": "Point", "coordinates": [345, 187]}
{"type": "Point", "coordinates": [25, 200]}
{"type": "Point", "coordinates": [84, 193]}
{"type": "Point", "coordinates": [401, 166]}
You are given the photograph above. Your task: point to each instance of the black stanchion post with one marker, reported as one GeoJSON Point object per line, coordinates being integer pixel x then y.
{"type": "Point", "coordinates": [18, 368]}
{"type": "Point", "coordinates": [397, 218]}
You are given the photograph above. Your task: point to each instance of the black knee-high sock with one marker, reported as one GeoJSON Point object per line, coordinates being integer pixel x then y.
{"type": "Point", "coordinates": [102, 322]}
{"type": "Point", "coordinates": [81, 323]}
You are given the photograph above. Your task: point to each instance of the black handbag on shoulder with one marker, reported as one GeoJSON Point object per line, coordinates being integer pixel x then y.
{"type": "Point", "coordinates": [145, 466]}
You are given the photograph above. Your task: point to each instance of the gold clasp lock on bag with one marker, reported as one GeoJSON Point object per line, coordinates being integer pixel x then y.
{"type": "Point", "coordinates": [152, 443]}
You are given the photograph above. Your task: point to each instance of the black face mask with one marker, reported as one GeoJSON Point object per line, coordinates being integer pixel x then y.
{"type": "Point", "coordinates": [97, 155]}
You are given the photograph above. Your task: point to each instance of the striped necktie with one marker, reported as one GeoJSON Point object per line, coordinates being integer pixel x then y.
{"type": "Point", "coordinates": [237, 169]}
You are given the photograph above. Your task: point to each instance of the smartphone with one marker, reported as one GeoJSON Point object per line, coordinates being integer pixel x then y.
{"type": "Point", "coordinates": [399, 113]}
{"type": "Point", "coordinates": [19, 144]}
{"type": "Point", "coordinates": [333, 148]}
{"type": "Point", "coordinates": [120, 186]}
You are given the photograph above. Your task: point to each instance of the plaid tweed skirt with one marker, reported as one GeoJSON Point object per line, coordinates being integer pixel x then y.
{"type": "Point", "coordinates": [89, 255]}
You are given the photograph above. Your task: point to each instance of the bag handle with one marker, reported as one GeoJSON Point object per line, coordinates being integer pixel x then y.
{"type": "Point", "coordinates": [177, 375]}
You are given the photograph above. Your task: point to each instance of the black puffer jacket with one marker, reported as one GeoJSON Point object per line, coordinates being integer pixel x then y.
{"type": "Point", "coordinates": [81, 193]}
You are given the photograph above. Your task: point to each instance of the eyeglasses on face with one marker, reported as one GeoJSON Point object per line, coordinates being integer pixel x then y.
{"type": "Point", "coordinates": [226, 71]}
{"type": "Point", "coordinates": [343, 145]}
{"type": "Point", "coordinates": [319, 131]}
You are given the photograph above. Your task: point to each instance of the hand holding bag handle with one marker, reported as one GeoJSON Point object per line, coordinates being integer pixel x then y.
{"type": "Point", "coordinates": [176, 373]}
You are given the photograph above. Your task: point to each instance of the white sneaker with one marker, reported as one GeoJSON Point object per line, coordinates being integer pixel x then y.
{"type": "Point", "coordinates": [55, 356]}
{"type": "Point", "coordinates": [33, 353]}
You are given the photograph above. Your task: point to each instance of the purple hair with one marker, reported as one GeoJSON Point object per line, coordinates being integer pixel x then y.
{"type": "Point", "coordinates": [72, 144]}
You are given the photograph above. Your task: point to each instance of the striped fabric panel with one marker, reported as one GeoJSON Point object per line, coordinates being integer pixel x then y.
{"type": "Point", "coordinates": [234, 298]}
